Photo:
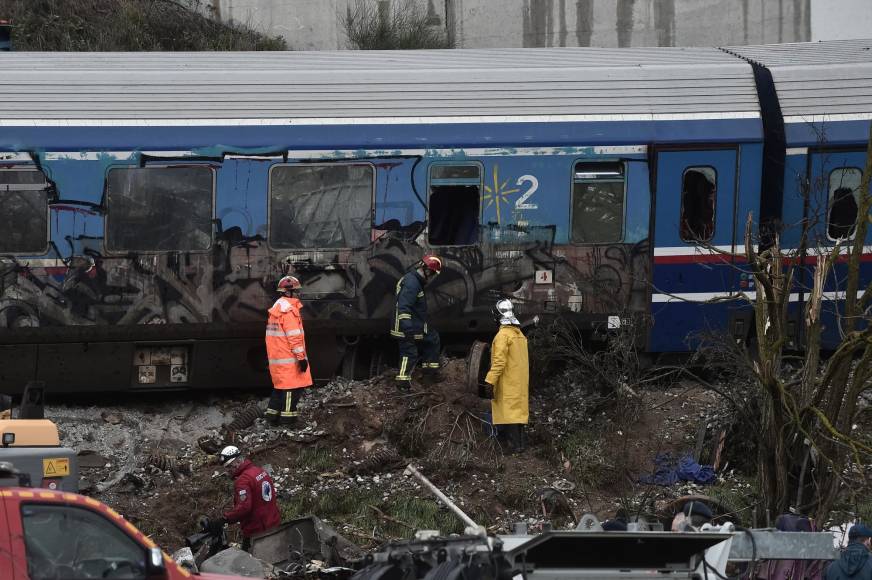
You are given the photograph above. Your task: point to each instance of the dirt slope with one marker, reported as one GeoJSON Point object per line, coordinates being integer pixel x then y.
{"type": "Point", "coordinates": [346, 463]}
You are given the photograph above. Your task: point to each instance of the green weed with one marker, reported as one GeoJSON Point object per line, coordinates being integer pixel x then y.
{"type": "Point", "coordinates": [738, 496]}
{"type": "Point", "coordinates": [396, 518]}
{"type": "Point", "coordinates": [316, 458]}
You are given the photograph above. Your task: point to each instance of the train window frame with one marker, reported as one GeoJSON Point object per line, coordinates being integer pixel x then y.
{"type": "Point", "coordinates": [96, 526]}
{"type": "Point", "coordinates": [107, 214]}
{"type": "Point", "coordinates": [696, 242]}
{"type": "Point", "coordinates": [855, 193]}
{"type": "Point", "coordinates": [456, 181]}
{"type": "Point", "coordinates": [573, 180]}
{"type": "Point", "coordinates": [269, 203]}
{"type": "Point", "coordinates": [45, 187]}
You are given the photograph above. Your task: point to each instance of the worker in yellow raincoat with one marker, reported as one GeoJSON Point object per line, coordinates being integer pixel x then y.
{"type": "Point", "coordinates": [509, 378]}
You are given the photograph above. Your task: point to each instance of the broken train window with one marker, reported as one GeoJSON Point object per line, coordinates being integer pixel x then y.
{"type": "Point", "coordinates": [598, 202]}
{"type": "Point", "coordinates": [698, 197]}
{"type": "Point", "coordinates": [321, 206]}
{"type": "Point", "coordinates": [24, 214]}
{"type": "Point", "coordinates": [159, 209]}
{"type": "Point", "coordinates": [844, 191]}
{"type": "Point", "coordinates": [455, 199]}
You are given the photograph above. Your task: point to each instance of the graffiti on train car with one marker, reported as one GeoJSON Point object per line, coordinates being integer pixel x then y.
{"type": "Point", "coordinates": [522, 250]}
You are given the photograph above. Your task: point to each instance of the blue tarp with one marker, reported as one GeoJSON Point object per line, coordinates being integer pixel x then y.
{"type": "Point", "coordinates": [668, 471]}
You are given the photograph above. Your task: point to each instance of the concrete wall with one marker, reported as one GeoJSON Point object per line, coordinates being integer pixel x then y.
{"type": "Point", "coordinates": [841, 19]}
{"type": "Point", "coordinates": [316, 24]}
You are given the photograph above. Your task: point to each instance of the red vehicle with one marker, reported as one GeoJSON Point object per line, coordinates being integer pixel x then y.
{"type": "Point", "coordinates": [53, 535]}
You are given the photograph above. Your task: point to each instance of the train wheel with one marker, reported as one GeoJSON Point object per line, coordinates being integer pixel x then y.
{"type": "Point", "coordinates": [362, 360]}
{"type": "Point", "coordinates": [477, 366]}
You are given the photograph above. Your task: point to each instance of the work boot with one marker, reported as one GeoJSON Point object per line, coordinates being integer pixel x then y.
{"type": "Point", "coordinates": [513, 437]}
{"type": "Point", "coordinates": [403, 385]}
{"type": "Point", "coordinates": [518, 439]}
{"type": "Point", "coordinates": [431, 376]}
{"type": "Point", "coordinates": [272, 419]}
{"type": "Point", "coordinates": [289, 422]}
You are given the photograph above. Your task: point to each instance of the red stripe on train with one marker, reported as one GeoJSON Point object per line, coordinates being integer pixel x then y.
{"type": "Point", "coordinates": [699, 259]}
{"type": "Point", "coordinates": [726, 259]}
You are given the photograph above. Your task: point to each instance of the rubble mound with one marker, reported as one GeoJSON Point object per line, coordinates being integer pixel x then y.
{"type": "Point", "coordinates": [344, 462]}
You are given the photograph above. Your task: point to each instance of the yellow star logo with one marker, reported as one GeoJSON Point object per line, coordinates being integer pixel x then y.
{"type": "Point", "coordinates": [497, 194]}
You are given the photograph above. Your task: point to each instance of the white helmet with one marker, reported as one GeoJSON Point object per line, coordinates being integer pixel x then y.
{"type": "Point", "coordinates": [228, 454]}
{"type": "Point", "coordinates": [504, 312]}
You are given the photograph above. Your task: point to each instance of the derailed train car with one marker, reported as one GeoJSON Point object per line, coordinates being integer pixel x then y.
{"type": "Point", "coordinates": [150, 201]}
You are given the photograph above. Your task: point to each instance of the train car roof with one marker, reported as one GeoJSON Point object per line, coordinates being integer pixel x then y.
{"type": "Point", "coordinates": [548, 84]}
{"type": "Point", "coordinates": [817, 80]}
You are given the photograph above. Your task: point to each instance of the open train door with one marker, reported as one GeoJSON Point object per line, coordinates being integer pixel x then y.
{"type": "Point", "coordinates": [832, 205]}
{"type": "Point", "coordinates": [694, 235]}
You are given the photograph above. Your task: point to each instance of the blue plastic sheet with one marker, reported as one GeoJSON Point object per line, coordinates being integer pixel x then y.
{"type": "Point", "coordinates": [668, 471]}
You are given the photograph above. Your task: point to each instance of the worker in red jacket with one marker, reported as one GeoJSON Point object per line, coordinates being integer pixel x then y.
{"type": "Point", "coordinates": [286, 351]}
{"type": "Point", "coordinates": [254, 496]}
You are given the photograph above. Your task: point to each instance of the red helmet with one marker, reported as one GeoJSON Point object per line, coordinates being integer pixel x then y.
{"type": "Point", "coordinates": [432, 262]}
{"type": "Point", "coordinates": [287, 284]}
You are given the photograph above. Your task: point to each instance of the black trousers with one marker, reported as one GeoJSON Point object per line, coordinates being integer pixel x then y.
{"type": "Point", "coordinates": [512, 435]}
{"type": "Point", "coordinates": [283, 405]}
{"type": "Point", "coordinates": [425, 349]}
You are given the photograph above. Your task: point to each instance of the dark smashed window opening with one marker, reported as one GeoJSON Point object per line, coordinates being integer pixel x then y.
{"type": "Point", "coordinates": [159, 209]}
{"type": "Point", "coordinates": [844, 187]}
{"type": "Point", "coordinates": [71, 542]}
{"type": "Point", "coordinates": [455, 199]}
{"type": "Point", "coordinates": [598, 202]}
{"type": "Point", "coordinates": [321, 206]}
{"type": "Point", "coordinates": [23, 211]}
{"type": "Point", "coordinates": [698, 198]}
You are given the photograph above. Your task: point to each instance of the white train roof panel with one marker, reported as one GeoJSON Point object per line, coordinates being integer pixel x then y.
{"type": "Point", "coordinates": [816, 79]}
{"type": "Point", "coordinates": [697, 82]}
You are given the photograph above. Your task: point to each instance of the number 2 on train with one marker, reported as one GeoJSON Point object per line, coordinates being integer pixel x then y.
{"type": "Point", "coordinates": [534, 185]}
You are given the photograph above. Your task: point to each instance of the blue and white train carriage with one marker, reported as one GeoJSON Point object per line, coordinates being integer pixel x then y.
{"type": "Point", "coordinates": [150, 201]}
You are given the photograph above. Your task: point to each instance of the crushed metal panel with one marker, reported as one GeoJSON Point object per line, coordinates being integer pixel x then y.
{"type": "Point", "coordinates": [772, 545]}
{"type": "Point", "coordinates": [310, 537]}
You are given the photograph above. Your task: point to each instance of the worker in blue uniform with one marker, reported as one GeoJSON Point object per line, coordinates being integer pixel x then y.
{"type": "Point", "coordinates": [417, 341]}
{"type": "Point", "coordinates": [855, 563]}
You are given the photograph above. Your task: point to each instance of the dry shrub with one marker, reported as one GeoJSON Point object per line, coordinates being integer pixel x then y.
{"type": "Point", "coordinates": [391, 26]}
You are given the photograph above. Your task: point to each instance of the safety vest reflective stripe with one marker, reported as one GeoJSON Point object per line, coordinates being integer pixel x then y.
{"type": "Point", "coordinates": [282, 361]}
{"type": "Point", "coordinates": [404, 317]}
{"type": "Point", "coordinates": [295, 332]}
{"type": "Point", "coordinates": [298, 349]}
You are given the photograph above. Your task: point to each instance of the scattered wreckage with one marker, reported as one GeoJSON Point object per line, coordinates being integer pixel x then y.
{"type": "Point", "coordinates": [309, 548]}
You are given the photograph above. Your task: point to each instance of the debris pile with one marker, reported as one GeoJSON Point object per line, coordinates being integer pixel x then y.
{"type": "Point", "coordinates": [155, 463]}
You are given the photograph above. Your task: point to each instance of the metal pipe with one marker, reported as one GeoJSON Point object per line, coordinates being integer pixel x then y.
{"type": "Point", "coordinates": [444, 499]}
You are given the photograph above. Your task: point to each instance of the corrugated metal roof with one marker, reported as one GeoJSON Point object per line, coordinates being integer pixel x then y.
{"type": "Point", "coordinates": [348, 84]}
{"type": "Point", "coordinates": [818, 78]}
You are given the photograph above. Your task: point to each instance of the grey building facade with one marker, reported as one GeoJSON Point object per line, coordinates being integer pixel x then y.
{"type": "Point", "coordinates": [317, 24]}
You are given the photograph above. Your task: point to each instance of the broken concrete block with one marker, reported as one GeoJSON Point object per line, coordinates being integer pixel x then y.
{"type": "Point", "coordinates": [185, 559]}
{"type": "Point", "coordinates": [234, 561]}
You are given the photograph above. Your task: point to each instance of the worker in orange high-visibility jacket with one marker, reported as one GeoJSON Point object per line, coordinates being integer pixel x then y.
{"type": "Point", "coordinates": [286, 351]}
